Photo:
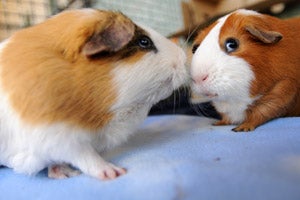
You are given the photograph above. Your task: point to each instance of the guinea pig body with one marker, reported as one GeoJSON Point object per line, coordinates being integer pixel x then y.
{"type": "Point", "coordinates": [77, 84]}
{"type": "Point", "coordinates": [249, 66]}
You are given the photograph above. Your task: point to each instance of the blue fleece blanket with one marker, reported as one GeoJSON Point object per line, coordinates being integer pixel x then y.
{"type": "Point", "coordinates": [184, 157]}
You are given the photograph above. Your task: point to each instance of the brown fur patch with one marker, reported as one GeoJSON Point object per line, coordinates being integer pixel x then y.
{"type": "Point", "coordinates": [49, 80]}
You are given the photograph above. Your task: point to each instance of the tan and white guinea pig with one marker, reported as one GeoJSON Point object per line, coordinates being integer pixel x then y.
{"type": "Point", "coordinates": [248, 65]}
{"type": "Point", "coordinates": [77, 84]}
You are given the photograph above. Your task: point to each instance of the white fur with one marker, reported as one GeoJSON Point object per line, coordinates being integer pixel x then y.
{"type": "Point", "coordinates": [28, 149]}
{"type": "Point", "coordinates": [154, 77]}
{"type": "Point", "coordinates": [228, 79]}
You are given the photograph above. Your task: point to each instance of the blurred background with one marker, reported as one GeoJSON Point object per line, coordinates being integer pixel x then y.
{"type": "Point", "coordinates": [177, 19]}
{"type": "Point", "coordinates": [169, 17]}
{"type": "Point", "coordinates": [164, 16]}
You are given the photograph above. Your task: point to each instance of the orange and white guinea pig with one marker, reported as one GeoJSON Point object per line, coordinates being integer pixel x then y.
{"type": "Point", "coordinates": [77, 84]}
{"type": "Point", "coordinates": [248, 65]}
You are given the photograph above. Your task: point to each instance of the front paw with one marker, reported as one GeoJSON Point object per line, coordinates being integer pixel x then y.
{"type": "Point", "coordinates": [221, 123]}
{"type": "Point", "coordinates": [109, 171]}
{"type": "Point", "coordinates": [62, 171]}
{"type": "Point", "coordinates": [245, 127]}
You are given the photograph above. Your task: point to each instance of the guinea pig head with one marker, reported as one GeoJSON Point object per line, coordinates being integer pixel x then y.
{"type": "Point", "coordinates": [81, 66]}
{"type": "Point", "coordinates": [231, 53]}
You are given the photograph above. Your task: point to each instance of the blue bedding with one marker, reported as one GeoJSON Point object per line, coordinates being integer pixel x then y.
{"type": "Point", "coordinates": [184, 157]}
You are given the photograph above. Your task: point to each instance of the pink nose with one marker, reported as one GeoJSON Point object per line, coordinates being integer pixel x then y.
{"type": "Point", "coordinates": [200, 79]}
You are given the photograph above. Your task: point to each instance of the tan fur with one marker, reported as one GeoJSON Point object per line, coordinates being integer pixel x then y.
{"type": "Point", "coordinates": [47, 77]}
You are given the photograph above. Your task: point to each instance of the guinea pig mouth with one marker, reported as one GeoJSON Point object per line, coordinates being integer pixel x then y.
{"type": "Point", "coordinates": [206, 94]}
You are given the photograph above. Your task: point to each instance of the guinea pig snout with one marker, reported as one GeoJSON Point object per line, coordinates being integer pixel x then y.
{"type": "Point", "coordinates": [200, 79]}
{"type": "Point", "coordinates": [201, 85]}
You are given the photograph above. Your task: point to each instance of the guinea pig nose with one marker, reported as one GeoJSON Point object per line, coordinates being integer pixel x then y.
{"type": "Point", "coordinates": [204, 78]}
{"type": "Point", "coordinates": [200, 79]}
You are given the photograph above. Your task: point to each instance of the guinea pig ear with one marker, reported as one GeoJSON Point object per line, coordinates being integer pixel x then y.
{"type": "Point", "coordinates": [111, 39]}
{"type": "Point", "coordinates": [268, 37]}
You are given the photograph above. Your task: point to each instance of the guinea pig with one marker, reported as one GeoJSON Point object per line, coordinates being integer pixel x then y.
{"type": "Point", "coordinates": [77, 84]}
{"type": "Point", "coordinates": [248, 65]}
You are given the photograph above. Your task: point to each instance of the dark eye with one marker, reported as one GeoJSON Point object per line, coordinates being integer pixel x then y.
{"type": "Point", "coordinates": [145, 42]}
{"type": "Point", "coordinates": [195, 47]}
{"type": "Point", "coordinates": [231, 44]}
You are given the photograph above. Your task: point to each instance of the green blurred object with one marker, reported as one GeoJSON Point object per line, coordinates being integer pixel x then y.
{"type": "Point", "coordinates": [163, 16]}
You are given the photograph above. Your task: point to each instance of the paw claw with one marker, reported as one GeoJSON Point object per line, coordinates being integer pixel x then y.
{"type": "Point", "coordinates": [243, 128]}
{"type": "Point", "coordinates": [111, 171]}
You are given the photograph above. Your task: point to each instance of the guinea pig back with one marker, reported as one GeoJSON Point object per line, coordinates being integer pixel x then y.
{"type": "Point", "coordinates": [63, 68]}
{"type": "Point", "coordinates": [48, 78]}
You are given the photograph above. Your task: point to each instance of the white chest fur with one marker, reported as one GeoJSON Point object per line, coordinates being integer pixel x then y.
{"type": "Point", "coordinates": [121, 127]}
{"type": "Point", "coordinates": [235, 110]}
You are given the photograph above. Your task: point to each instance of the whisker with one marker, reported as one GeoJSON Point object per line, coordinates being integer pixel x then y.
{"type": "Point", "coordinates": [174, 101]}
{"type": "Point", "coordinates": [191, 33]}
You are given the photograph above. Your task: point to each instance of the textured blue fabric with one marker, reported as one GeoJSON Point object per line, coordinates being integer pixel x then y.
{"type": "Point", "coordinates": [184, 157]}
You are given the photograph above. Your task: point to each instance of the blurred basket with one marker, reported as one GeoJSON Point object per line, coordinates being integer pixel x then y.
{"type": "Point", "coordinates": [17, 14]}
{"type": "Point", "coordinates": [163, 16]}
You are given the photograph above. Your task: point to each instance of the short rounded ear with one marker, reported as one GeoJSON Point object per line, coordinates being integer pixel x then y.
{"type": "Point", "coordinates": [268, 37]}
{"type": "Point", "coordinates": [111, 39]}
